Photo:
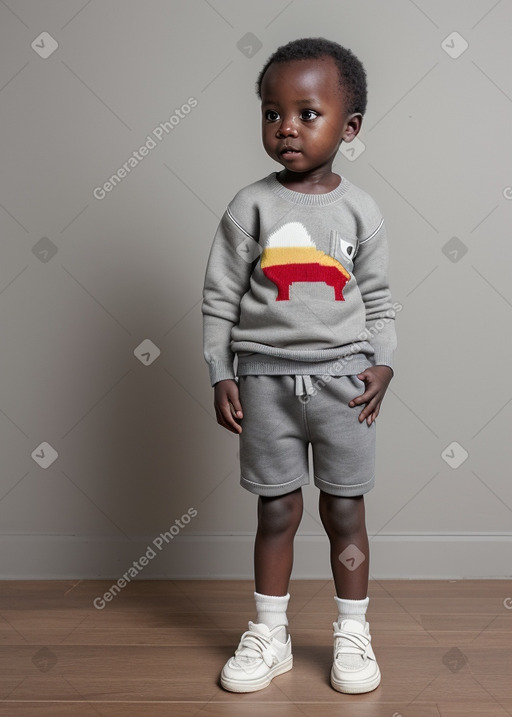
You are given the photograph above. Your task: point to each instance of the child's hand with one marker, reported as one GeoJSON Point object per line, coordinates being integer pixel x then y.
{"type": "Point", "coordinates": [377, 379]}
{"type": "Point", "coordinates": [227, 405]}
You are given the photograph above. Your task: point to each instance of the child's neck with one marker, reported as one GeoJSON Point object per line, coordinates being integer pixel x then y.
{"type": "Point", "coordinates": [319, 182]}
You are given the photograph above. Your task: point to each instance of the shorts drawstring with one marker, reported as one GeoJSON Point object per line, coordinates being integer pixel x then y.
{"type": "Point", "coordinates": [303, 385]}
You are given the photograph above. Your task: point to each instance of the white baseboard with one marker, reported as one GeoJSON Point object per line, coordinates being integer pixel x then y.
{"type": "Point", "coordinates": [223, 557]}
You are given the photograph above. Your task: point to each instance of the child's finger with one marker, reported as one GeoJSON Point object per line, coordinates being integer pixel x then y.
{"type": "Point", "coordinates": [231, 419]}
{"type": "Point", "coordinates": [362, 398]}
{"type": "Point", "coordinates": [369, 409]}
{"type": "Point", "coordinates": [233, 398]}
{"type": "Point", "coordinates": [236, 409]}
{"type": "Point", "coordinates": [232, 424]}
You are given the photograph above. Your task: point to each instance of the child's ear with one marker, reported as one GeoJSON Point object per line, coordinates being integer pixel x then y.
{"type": "Point", "coordinates": [352, 127]}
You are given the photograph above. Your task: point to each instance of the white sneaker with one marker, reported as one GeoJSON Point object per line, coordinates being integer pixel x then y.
{"type": "Point", "coordinates": [259, 658]}
{"type": "Point", "coordinates": [355, 668]}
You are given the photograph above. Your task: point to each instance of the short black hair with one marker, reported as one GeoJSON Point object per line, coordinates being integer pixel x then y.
{"type": "Point", "coordinates": [352, 75]}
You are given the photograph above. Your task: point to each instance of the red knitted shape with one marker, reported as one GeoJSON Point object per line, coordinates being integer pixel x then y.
{"type": "Point", "coordinates": [283, 275]}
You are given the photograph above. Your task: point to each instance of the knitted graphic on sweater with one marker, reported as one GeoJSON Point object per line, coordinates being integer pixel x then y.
{"type": "Point", "coordinates": [291, 256]}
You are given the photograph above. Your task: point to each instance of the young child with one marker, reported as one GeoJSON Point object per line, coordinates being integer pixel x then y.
{"type": "Point", "coordinates": [296, 286]}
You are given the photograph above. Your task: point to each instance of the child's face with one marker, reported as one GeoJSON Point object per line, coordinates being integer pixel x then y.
{"type": "Point", "coordinates": [304, 107]}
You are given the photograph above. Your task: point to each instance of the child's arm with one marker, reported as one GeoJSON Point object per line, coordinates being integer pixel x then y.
{"type": "Point", "coordinates": [371, 271]}
{"type": "Point", "coordinates": [227, 278]}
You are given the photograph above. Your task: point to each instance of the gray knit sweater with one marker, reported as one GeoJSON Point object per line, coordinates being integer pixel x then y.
{"type": "Point", "coordinates": [297, 284]}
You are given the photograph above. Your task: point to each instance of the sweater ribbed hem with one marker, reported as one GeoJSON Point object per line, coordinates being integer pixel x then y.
{"type": "Point", "coordinates": [344, 352]}
{"type": "Point", "coordinates": [263, 363]}
{"type": "Point", "coordinates": [308, 200]}
{"type": "Point", "coordinates": [270, 365]}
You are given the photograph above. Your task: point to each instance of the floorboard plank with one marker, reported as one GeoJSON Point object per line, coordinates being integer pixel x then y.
{"type": "Point", "coordinates": [157, 648]}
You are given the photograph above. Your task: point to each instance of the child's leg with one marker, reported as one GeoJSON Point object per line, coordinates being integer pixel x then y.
{"type": "Point", "coordinates": [344, 523]}
{"type": "Point", "coordinates": [355, 668]}
{"type": "Point", "coordinates": [265, 649]}
{"type": "Point", "coordinates": [278, 520]}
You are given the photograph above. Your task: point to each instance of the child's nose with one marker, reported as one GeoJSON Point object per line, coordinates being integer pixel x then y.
{"type": "Point", "coordinates": [287, 127]}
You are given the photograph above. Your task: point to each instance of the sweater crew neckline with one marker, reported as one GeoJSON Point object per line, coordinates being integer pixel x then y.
{"type": "Point", "coordinates": [311, 200]}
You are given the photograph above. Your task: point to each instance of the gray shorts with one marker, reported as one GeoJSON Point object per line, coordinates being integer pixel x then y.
{"type": "Point", "coordinates": [281, 419]}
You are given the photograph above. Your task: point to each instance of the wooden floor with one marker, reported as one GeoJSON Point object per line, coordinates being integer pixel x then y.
{"type": "Point", "coordinates": [444, 650]}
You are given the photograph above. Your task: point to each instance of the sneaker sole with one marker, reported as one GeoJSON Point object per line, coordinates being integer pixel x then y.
{"type": "Point", "coordinates": [353, 688]}
{"type": "Point", "coordinates": [254, 685]}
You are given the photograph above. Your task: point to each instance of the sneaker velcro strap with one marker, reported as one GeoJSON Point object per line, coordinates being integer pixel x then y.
{"type": "Point", "coordinates": [255, 646]}
{"type": "Point", "coordinates": [359, 644]}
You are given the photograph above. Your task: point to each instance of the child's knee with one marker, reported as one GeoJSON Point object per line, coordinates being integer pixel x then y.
{"type": "Point", "coordinates": [342, 516]}
{"type": "Point", "coordinates": [281, 514]}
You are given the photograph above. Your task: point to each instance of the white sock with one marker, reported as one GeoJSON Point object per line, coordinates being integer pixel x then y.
{"type": "Point", "coordinates": [271, 609]}
{"type": "Point", "coordinates": [353, 609]}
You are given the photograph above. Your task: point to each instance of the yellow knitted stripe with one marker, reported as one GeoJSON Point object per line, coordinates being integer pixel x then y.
{"type": "Point", "coordinates": [299, 255]}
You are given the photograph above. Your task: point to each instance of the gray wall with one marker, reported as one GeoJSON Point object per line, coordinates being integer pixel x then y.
{"type": "Point", "coordinates": [102, 370]}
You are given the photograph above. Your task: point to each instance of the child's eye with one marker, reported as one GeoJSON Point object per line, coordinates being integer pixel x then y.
{"type": "Point", "coordinates": [271, 115]}
{"type": "Point", "coordinates": [308, 115]}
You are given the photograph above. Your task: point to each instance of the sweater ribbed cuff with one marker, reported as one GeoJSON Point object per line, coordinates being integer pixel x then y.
{"type": "Point", "coordinates": [382, 356]}
{"type": "Point", "coordinates": [220, 370]}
